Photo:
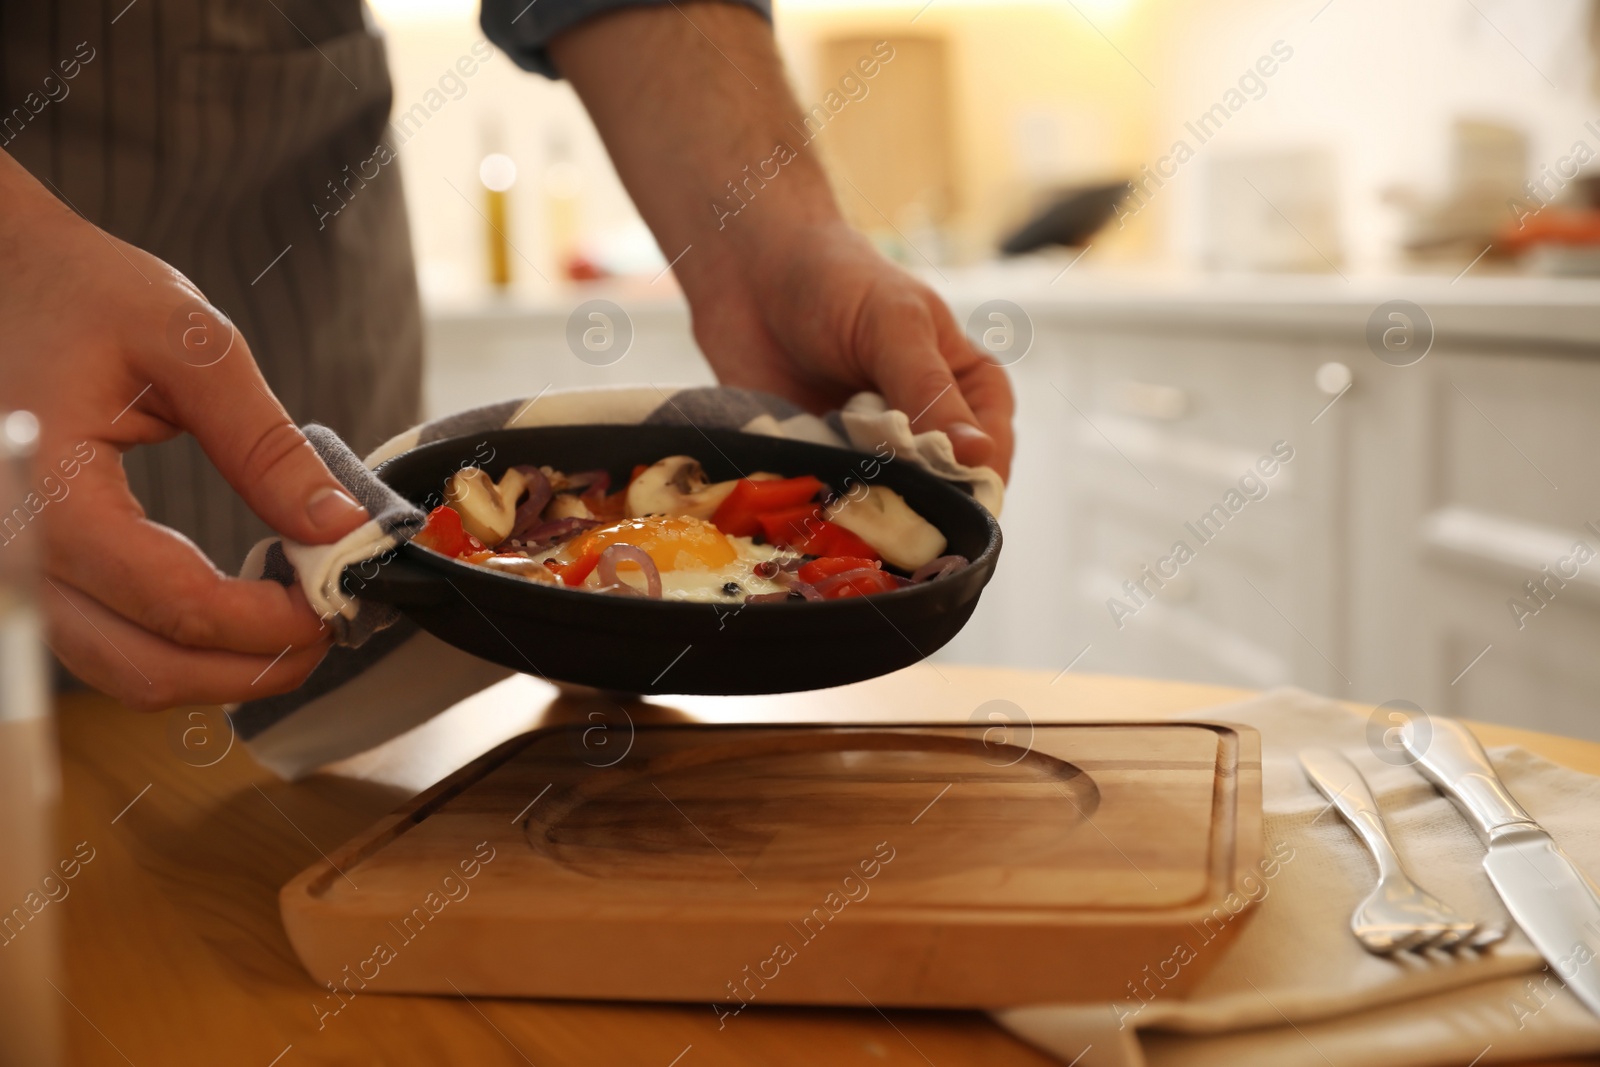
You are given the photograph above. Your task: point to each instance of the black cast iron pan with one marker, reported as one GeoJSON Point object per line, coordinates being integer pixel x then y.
{"type": "Point", "coordinates": [651, 646]}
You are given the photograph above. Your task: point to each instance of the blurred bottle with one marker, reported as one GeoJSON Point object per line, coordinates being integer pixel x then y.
{"type": "Point", "coordinates": [498, 173]}
{"type": "Point", "coordinates": [30, 1010]}
{"type": "Point", "coordinates": [562, 185]}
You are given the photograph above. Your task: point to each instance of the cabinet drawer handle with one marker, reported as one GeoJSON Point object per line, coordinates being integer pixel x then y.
{"type": "Point", "coordinates": [1146, 400]}
{"type": "Point", "coordinates": [1507, 544]}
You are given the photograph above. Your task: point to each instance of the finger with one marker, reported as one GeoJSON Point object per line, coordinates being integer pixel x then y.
{"type": "Point", "coordinates": [157, 579]}
{"type": "Point", "coordinates": [208, 383]}
{"type": "Point", "coordinates": [988, 390]}
{"type": "Point", "coordinates": [148, 673]}
{"type": "Point", "coordinates": [985, 386]}
{"type": "Point", "coordinates": [903, 354]}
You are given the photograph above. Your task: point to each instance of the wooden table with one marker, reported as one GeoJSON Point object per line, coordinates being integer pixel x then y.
{"type": "Point", "coordinates": [174, 953]}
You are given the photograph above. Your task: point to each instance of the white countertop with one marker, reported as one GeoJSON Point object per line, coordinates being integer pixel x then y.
{"type": "Point", "coordinates": [1475, 308]}
{"type": "Point", "coordinates": [1559, 311]}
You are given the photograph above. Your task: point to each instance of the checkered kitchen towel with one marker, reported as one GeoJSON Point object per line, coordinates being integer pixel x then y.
{"type": "Point", "coordinates": [386, 675]}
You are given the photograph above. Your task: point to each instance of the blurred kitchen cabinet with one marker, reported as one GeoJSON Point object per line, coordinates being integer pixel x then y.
{"type": "Point", "coordinates": [1488, 452]}
{"type": "Point", "coordinates": [1383, 560]}
{"type": "Point", "coordinates": [1164, 428]}
{"type": "Point", "coordinates": [498, 350]}
{"type": "Point", "coordinates": [887, 136]}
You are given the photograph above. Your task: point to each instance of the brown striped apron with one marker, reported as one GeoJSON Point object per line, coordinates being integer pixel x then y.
{"type": "Point", "coordinates": [215, 134]}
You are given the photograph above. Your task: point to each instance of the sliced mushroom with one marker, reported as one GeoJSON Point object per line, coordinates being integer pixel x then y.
{"type": "Point", "coordinates": [522, 567]}
{"type": "Point", "coordinates": [882, 518]}
{"type": "Point", "coordinates": [567, 506]}
{"type": "Point", "coordinates": [488, 511]}
{"type": "Point", "coordinates": [676, 485]}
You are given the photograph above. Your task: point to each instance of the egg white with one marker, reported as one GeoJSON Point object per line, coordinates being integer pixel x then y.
{"type": "Point", "coordinates": [698, 583]}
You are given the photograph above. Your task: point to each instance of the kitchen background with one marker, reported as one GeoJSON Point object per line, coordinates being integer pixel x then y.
{"type": "Point", "coordinates": [1358, 243]}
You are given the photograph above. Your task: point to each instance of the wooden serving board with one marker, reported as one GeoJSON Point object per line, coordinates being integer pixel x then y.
{"type": "Point", "coordinates": [903, 865]}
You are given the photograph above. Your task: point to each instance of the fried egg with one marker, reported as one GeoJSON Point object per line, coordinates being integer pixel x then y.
{"type": "Point", "coordinates": [697, 561]}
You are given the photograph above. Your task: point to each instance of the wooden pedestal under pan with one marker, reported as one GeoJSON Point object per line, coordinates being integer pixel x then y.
{"type": "Point", "coordinates": [902, 865]}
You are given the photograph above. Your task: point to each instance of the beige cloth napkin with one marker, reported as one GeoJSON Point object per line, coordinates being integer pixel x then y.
{"type": "Point", "coordinates": [1296, 988]}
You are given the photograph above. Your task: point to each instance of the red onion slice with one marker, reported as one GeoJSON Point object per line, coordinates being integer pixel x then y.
{"type": "Point", "coordinates": [598, 482]}
{"type": "Point", "coordinates": [805, 589]}
{"type": "Point", "coordinates": [834, 581]}
{"type": "Point", "coordinates": [606, 569]}
{"type": "Point", "coordinates": [533, 504]}
{"type": "Point", "coordinates": [938, 568]}
{"type": "Point", "coordinates": [778, 567]}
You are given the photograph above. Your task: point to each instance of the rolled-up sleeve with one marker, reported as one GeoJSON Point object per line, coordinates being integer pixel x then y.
{"type": "Point", "coordinates": [523, 29]}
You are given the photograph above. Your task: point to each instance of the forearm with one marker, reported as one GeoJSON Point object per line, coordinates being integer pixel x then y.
{"type": "Point", "coordinates": [22, 195]}
{"type": "Point", "coordinates": [693, 105]}
{"type": "Point", "coordinates": [695, 109]}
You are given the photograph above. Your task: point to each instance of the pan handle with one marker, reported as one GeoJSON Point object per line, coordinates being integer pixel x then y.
{"type": "Point", "coordinates": [395, 580]}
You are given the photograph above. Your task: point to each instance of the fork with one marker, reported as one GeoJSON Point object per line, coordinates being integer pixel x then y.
{"type": "Point", "coordinates": [1398, 915]}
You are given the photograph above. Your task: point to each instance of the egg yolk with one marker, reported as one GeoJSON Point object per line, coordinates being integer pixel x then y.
{"type": "Point", "coordinates": [674, 542]}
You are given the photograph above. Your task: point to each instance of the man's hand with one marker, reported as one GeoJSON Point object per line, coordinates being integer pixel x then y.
{"type": "Point", "coordinates": [112, 348]}
{"type": "Point", "coordinates": [785, 296]}
{"type": "Point", "coordinates": [829, 316]}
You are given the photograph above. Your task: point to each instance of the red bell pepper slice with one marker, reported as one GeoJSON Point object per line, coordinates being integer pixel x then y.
{"type": "Point", "coordinates": [819, 569]}
{"type": "Point", "coordinates": [805, 530]}
{"type": "Point", "coordinates": [575, 572]}
{"type": "Point", "coordinates": [444, 534]}
{"type": "Point", "coordinates": [789, 526]}
{"type": "Point", "coordinates": [740, 512]}
{"type": "Point", "coordinates": [831, 539]}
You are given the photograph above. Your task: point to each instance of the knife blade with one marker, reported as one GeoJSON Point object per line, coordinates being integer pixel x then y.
{"type": "Point", "coordinates": [1549, 897]}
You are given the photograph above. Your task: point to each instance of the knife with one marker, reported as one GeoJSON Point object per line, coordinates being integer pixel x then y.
{"type": "Point", "coordinates": [1551, 899]}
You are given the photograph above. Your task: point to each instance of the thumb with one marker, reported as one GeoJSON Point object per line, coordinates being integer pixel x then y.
{"type": "Point", "coordinates": [209, 385]}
